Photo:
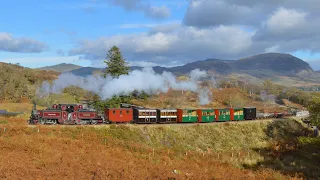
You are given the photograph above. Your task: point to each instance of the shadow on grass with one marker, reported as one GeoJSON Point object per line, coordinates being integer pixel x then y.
{"type": "Point", "coordinates": [293, 150]}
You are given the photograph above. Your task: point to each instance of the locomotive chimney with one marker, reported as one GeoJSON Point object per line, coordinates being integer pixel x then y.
{"type": "Point", "coordinates": [34, 105]}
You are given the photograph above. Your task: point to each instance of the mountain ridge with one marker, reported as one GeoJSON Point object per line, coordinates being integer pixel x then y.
{"type": "Point", "coordinates": [265, 65]}
{"type": "Point", "coordinates": [62, 67]}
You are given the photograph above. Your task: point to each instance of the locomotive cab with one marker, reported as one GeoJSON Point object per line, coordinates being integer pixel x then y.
{"type": "Point", "coordinates": [70, 109]}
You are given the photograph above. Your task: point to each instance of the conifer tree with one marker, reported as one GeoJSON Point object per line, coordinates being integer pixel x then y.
{"type": "Point", "coordinates": [116, 64]}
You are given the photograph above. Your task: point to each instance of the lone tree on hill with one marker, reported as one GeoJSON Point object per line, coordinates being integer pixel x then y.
{"type": "Point", "coordinates": [116, 63]}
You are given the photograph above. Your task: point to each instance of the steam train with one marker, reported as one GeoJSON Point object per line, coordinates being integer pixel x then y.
{"type": "Point", "coordinates": [127, 113]}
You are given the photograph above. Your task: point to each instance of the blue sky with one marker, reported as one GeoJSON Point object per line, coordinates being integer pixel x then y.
{"type": "Point", "coordinates": [37, 33]}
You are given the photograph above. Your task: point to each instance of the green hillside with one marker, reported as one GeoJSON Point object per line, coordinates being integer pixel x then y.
{"type": "Point", "coordinates": [18, 83]}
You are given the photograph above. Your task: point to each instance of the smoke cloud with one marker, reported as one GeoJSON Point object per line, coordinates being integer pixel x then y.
{"type": "Point", "coordinates": [141, 80]}
{"type": "Point", "coordinates": [268, 97]}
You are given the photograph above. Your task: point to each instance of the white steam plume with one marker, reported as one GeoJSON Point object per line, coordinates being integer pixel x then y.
{"type": "Point", "coordinates": [204, 96]}
{"type": "Point", "coordinates": [141, 80]}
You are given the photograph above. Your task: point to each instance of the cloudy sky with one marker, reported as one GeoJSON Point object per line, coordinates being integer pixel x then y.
{"type": "Point", "coordinates": [36, 33]}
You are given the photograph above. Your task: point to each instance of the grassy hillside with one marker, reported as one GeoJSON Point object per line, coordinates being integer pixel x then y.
{"type": "Point", "coordinates": [220, 98]}
{"type": "Point", "coordinates": [209, 151]}
{"type": "Point", "coordinates": [19, 84]}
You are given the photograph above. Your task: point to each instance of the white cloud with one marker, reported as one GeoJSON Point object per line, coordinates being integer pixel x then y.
{"type": "Point", "coordinates": [9, 43]}
{"type": "Point", "coordinates": [156, 12]}
{"type": "Point", "coordinates": [185, 43]}
{"type": "Point", "coordinates": [284, 20]}
{"type": "Point", "coordinates": [215, 29]}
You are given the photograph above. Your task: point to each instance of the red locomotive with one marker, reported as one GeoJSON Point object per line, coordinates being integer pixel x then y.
{"type": "Point", "coordinates": [65, 114]}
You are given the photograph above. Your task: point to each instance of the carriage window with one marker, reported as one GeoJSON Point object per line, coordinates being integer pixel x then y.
{"type": "Point", "coordinates": [128, 112]}
{"type": "Point", "coordinates": [163, 113]}
{"type": "Point", "coordinates": [185, 112]}
{"type": "Point", "coordinates": [120, 112]}
{"type": "Point", "coordinates": [114, 112]}
{"type": "Point", "coordinates": [236, 112]}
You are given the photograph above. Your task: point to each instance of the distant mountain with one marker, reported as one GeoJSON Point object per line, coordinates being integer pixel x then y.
{"type": "Point", "coordinates": [284, 64]}
{"type": "Point", "coordinates": [268, 65]}
{"type": "Point", "coordinates": [63, 67]}
{"type": "Point", "coordinates": [258, 65]}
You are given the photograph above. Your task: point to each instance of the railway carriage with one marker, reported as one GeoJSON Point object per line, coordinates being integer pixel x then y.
{"type": "Point", "coordinates": [236, 114]}
{"type": "Point", "coordinates": [250, 113]}
{"type": "Point", "coordinates": [222, 114]}
{"type": "Point", "coordinates": [144, 115]}
{"type": "Point", "coordinates": [118, 115]}
{"type": "Point", "coordinates": [206, 115]}
{"type": "Point", "coordinates": [187, 115]}
{"type": "Point", "coordinates": [167, 115]}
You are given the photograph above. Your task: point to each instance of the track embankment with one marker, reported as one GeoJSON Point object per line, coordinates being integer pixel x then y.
{"type": "Point", "coordinates": [131, 151]}
{"type": "Point", "coordinates": [167, 124]}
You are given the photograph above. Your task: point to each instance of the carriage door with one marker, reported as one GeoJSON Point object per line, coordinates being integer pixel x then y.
{"type": "Point", "coordinates": [168, 116]}
{"type": "Point", "coordinates": [147, 116]}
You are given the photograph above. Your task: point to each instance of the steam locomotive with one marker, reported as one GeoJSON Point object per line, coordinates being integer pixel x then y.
{"type": "Point", "coordinates": [127, 113]}
{"type": "Point", "coordinates": [65, 114]}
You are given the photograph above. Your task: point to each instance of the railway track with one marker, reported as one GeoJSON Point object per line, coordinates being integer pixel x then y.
{"type": "Point", "coordinates": [165, 124]}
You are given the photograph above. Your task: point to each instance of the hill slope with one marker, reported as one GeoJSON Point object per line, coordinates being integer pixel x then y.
{"type": "Point", "coordinates": [281, 63]}
{"type": "Point", "coordinates": [17, 83]}
{"type": "Point", "coordinates": [63, 67]}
